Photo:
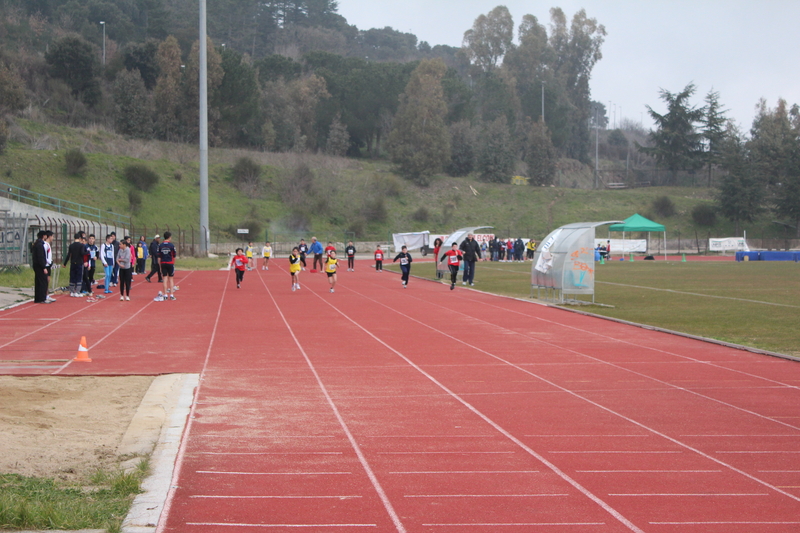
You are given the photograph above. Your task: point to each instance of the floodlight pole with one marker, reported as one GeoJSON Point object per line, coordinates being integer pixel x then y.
{"type": "Point", "coordinates": [203, 133]}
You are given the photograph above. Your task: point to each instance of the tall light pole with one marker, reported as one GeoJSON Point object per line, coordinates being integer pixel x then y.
{"type": "Point", "coordinates": [596, 145]}
{"type": "Point", "coordinates": [103, 24]}
{"type": "Point", "coordinates": [205, 231]}
{"type": "Point", "coordinates": [542, 102]}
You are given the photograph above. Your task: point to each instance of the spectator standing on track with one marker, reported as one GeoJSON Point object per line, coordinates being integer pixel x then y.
{"type": "Point", "coordinates": [125, 262]}
{"type": "Point", "coordinates": [302, 248]}
{"type": "Point", "coordinates": [453, 257]}
{"type": "Point", "coordinates": [501, 250]}
{"type": "Point", "coordinates": [107, 258]}
{"type": "Point", "coordinates": [155, 268]}
{"type": "Point", "coordinates": [91, 259]}
{"type": "Point", "coordinates": [266, 252]}
{"type": "Point", "coordinates": [331, 264]}
{"type": "Point", "coordinates": [509, 250]}
{"type": "Point", "coordinates": [317, 250]}
{"type": "Point", "coordinates": [240, 262]}
{"type": "Point", "coordinates": [328, 249]}
{"type": "Point", "coordinates": [248, 252]}
{"type": "Point", "coordinates": [75, 256]}
{"type": "Point", "coordinates": [405, 264]}
{"type": "Point", "coordinates": [379, 259]}
{"type": "Point", "coordinates": [608, 250]}
{"type": "Point", "coordinates": [41, 269]}
{"type": "Point", "coordinates": [166, 258]}
{"type": "Point", "coordinates": [294, 267]}
{"type": "Point", "coordinates": [471, 253]}
{"type": "Point", "coordinates": [350, 252]}
{"type": "Point", "coordinates": [115, 270]}
{"type": "Point", "coordinates": [484, 249]}
{"type": "Point", "coordinates": [141, 255]}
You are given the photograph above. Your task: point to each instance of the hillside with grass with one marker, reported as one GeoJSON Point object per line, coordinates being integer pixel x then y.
{"type": "Point", "coordinates": [295, 194]}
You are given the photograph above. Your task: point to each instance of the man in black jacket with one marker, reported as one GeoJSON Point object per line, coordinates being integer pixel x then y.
{"type": "Point", "coordinates": [472, 252]}
{"type": "Point", "coordinates": [41, 269]}
{"type": "Point", "coordinates": [155, 268]}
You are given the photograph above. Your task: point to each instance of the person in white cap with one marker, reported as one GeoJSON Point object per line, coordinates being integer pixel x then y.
{"type": "Point", "coordinates": [155, 268]}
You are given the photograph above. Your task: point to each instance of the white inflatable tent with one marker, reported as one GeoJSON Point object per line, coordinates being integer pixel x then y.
{"type": "Point", "coordinates": [563, 264]}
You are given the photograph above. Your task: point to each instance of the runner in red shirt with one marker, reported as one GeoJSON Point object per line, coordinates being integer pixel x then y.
{"type": "Point", "coordinates": [240, 262]}
{"type": "Point", "coordinates": [379, 260]}
{"type": "Point", "coordinates": [454, 257]}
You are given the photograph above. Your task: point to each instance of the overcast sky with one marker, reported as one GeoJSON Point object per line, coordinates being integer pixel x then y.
{"type": "Point", "coordinates": [743, 49]}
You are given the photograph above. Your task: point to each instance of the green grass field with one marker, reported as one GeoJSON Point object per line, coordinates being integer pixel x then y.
{"type": "Point", "coordinates": [753, 304]}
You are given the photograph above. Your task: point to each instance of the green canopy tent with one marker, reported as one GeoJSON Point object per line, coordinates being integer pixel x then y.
{"type": "Point", "coordinates": [639, 223]}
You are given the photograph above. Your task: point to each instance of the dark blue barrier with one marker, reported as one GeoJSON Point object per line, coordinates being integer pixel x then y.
{"type": "Point", "coordinates": [768, 256]}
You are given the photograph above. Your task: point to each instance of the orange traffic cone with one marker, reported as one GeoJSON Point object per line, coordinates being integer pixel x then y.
{"type": "Point", "coordinates": [83, 352]}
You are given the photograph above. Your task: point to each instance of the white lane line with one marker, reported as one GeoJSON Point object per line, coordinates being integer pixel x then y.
{"type": "Point", "coordinates": [699, 294]}
{"type": "Point", "coordinates": [251, 438]}
{"type": "Point", "coordinates": [619, 451]}
{"type": "Point", "coordinates": [344, 497]}
{"type": "Point", "coordinates": [722, 523]}
{"type": "Point", "coordinates": [439, 453]}
{"type": "Point", "coordinates": [398, 524]}
{"type": "Point", "coordinates": [270, 453]}
{"type": "Point", "coordinates": [691, 494]}
{"type": "Point", "coordinates": [560, 473]}
{"type": "Point", "coordinates": [767, 451]}
{"type": "Point", "coordinates": [745, 436]}
{"type": "Point", "coordinates": [176, 472]}
{"type": "Point", "coordinates": [569, 392]}
{"type": "Point", "coordinates": [686, 358]}
{"type": "Point", "coordinates": [519, 524]}
{"type": "Point", "coordinates": [780, 471]}
{"type": "Point", "coordinates": [229, 524]}
{"type": "Point", "coordinates": [447, 472]}
{"type": "Point", "coordinates": [648, 471]}
{"type": "Point", "coordinates": [273, 473]}
{"type": "Point", "coordinates": [429, 436]}
{"type": "Point", "coordinates": [586, 436]}
{"type": "Point", "coordinates": [485, 495]}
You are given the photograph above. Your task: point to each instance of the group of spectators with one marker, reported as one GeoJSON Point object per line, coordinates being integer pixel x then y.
{"type": "Point", "coordinates": [510, 250]}
{"type": "Point", "coordinates": [120, 259]}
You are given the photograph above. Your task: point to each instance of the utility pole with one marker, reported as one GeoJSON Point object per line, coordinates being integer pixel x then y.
{"type": "Point", "coordinates": [596, 146]}
{"type": "Point", "coordinates": [103, 24]}
{"type": "Point", "coordinates": [542, 102]}
{"type": "Point", "coordinates": [205, 232]}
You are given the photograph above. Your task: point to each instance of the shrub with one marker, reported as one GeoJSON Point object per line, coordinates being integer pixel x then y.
{"type": "Point", "coordinates": [420, 215]}
{"type": "Point", "coordinates": [247, 176]}
{"type": "Point", "coordinates": [134, 199]}
{"type": "Point", "coordinates": [178, 175]}
{"type": "Point", "coordinates": [75, 161]}
{"type": "Point", "coordinates": [141, 176]}
{"type": "Point", "coordinates": [374, 210]}
{"type": "Point", "coordinates": [3, 135]}
{"type": "Point", "coordinates": [704, 215]}
{"type": "Point", "coordinates": [663, 206]}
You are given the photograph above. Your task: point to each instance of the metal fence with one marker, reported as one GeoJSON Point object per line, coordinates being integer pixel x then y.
{"type": "Point", "coordinates": [64, 207]}
{"type": "Point", "coordinates": [13, 239]}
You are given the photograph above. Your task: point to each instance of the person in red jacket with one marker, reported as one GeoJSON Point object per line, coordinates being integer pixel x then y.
{"type": "Point", "coordinates": [379, 260]}
{"type": "Point", "coordinates": [453, 257]}
{"type": "Point", "coordinates": [239, 262]}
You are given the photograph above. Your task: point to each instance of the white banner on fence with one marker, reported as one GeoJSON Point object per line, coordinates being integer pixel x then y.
{"type": "Point", "coordinates": [414, 241]}
{"type": "Point", "coordinates": [738, 244]}
{"type": "Point", "coordinates": [624, 246]}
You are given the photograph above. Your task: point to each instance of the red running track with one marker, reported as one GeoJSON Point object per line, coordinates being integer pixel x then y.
{"type": "Point", "coordinates": [379, 408]}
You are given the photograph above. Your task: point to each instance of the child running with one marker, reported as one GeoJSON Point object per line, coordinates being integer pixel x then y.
{"type": "Point", "coordinates": [454, 257]}
{"type": "Point", "coordinates": [331, 263]}
{"type": "Point", "coordinates": [266, 251]}
{"type": "Point", "coordinates": [350, 251]}
{"type": "Point", "coordinates": [405, 264]}
{"type": "Point", "coordinates": [240, 262]}
{"type": "Point", "coordinates": [294, 268]}
{"type": "Point", "coordinates": [249, 254]}
{"type": "Point", "coordinates": [379, 260]}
